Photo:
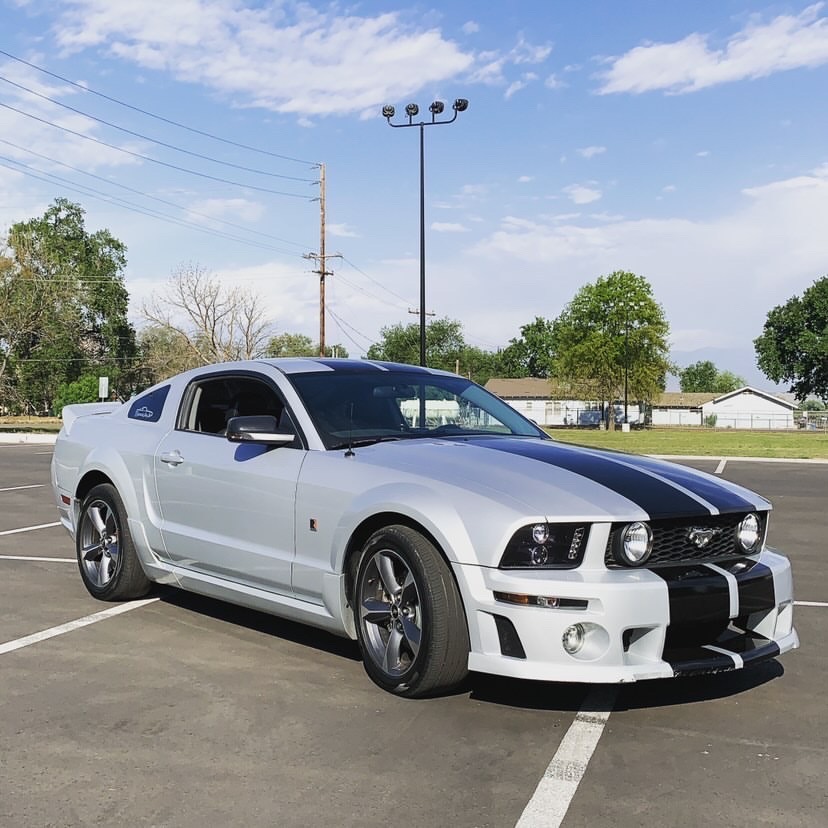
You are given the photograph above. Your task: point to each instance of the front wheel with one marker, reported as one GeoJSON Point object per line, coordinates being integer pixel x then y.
{"type": "Point", "coordinates": [107, 560]}
{"type": "Point", "coordinates": [409, 617]}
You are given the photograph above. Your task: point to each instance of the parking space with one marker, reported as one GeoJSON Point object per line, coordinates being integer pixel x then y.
{"type": "Point", "coordinates": [187, 711]}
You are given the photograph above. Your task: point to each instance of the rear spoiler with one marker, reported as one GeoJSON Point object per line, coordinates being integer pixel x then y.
{"type": "Point", "coordinates": [71, 413]}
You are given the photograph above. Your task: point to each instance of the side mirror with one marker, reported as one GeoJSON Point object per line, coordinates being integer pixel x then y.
{"type": "Point", "coordinates": [262, 429]}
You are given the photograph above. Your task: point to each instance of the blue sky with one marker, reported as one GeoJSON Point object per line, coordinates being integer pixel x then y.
{"type": "Point", "coordinates": [685, 142]}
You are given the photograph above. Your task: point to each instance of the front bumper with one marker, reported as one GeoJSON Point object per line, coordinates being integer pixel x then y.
{"type": "Point", "coordinates": [639, 624]}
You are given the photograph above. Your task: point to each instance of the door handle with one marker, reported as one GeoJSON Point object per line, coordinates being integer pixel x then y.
{"type": "Point", "coordinates": [172, 458]}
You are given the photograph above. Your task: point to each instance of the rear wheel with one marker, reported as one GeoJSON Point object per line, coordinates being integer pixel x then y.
{"type": "Point", "coordinates": [107, 560]}
{"type": "Point", "coordinates": [410, 621]}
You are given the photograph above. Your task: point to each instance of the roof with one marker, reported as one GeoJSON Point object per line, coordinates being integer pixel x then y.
{"type": "Point", "coordinates": [529, 388]}
{"type": "Point", "coordinates": [682, 399]}
{"type": "Point", "coordinates": [304, 365]}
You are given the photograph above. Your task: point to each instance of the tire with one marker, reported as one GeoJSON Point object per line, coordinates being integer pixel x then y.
{"type": "Point", "coordinates": [409, 618]}
{"type": "Point", "coordinates": [107, 560]}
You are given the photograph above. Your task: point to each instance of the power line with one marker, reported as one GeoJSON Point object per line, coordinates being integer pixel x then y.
{"type": "Point", "coordinates": [155, 140]}
{"type": "Point", "coordinates": [149, 114]}
{"type": "Point", "coordinates": [376, 282]}
{"type": "Point", "coordinates": [342, 324]}
{"type": "Point", "coordinates": [97, 194]}
{"type": "Point", "coordinates": [151, 197]}
{"type": "Point", "coordinates": [152, 160]}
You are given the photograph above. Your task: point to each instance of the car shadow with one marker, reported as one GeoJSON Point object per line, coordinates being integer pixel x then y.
{"type": "Point", "coordinates": [261, 622]}
{"type": "Point", "coordinates": [547, 695]}
{"type": "Point", "coordinates": [499, 690]}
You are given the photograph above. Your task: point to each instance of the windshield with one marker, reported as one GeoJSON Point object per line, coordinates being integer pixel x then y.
{"type": "Point", "coordinates": [358, 408]}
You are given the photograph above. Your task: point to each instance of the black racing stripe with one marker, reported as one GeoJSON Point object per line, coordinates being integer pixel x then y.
{"type": "Point", "coordinates": [348, 366]}
{"type": "Point", "coordinates": [656, 497]}
{"type": "Point", "coordinates": [713, 492]}
{"type": "Point", "coordinates": [755, 649]}
{"type": "Point", "coordinates": [699, 598]}
{"type": "Point", "coordinates": [756, 590]}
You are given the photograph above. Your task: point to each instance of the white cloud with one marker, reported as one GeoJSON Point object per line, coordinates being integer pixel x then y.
{"type": "Point", "coordinates": [703, 153]}
{"type": "Point", "coordinates": [582, 194]}
{"type": "Point", "coordinates": [553, 82]}
{"type": "Point", "coordinates": [758, 50]}
{"type": "Point", "coordinates": [342, 231]}
{"type": "Point", "coordinates": [525, 179]}
{"type": "Point", "coordinates": [307, 123]}
{"type": "Point", "coordinates": [284, 57]}
{"type": "Point", "coordinates": [448, 227]}
{"type": "Point", "coordinates": [773, 246]}
{"type": "Point", "coordinates": [470, 27]}
{"type": "Point", "coordinates": [670, 188]}
{"type": "Point", "coordinates": [489, 66]}
{"type": "Point", "coordinates": [590, 152]}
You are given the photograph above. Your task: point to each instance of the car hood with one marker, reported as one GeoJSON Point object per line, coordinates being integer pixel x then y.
{"type": "Point", "coordinates": [563, 480]}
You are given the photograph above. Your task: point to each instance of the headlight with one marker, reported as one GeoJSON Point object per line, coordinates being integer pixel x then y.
{"type": "Point", "coordinates": [546, 546]}
{"type": "Point", "coordinates": [749, 532]}
{"type": "Point", "coordinates": [634, 544]}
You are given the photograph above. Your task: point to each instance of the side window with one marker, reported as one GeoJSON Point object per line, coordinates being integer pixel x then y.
{"type": "Point", "coordinates": [148, 407]}
{"type": "Point", "coordinates": [211, 403]}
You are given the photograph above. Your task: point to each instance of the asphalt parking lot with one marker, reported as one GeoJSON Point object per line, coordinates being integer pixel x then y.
{"type": "Point", "coordinates": [188, 712]}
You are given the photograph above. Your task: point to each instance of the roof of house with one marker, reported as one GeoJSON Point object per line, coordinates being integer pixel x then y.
{"type": "Point", "coordinates": [682, 399]}
{"type": "Point", "coordinates": [529, 388]}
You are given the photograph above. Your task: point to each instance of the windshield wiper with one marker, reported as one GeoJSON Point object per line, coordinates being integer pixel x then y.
{"type": "Point", "coordinates": [366, 441]}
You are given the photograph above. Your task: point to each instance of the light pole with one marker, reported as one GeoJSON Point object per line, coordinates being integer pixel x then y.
{"type": "Point", "coordinates": [627, 306]}
{"type": "Point", "coordinates": [412, 110]}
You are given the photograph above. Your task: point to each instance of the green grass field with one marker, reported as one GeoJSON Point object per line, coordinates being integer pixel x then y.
{"type": "Point", "coordinates": [708, 442]}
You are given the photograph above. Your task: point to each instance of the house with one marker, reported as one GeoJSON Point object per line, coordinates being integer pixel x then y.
{"type": "Point", "coordinates": [679, 408]}
{"type": "Point", "coordinates": [746, 407]}
{"type": "Point", "coordinates": [750, 408]}
{"type": "Point", "coordinates": [549, 403]}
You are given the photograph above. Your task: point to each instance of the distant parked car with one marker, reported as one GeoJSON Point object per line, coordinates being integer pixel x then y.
{"type": "Point", "coordinates": [443, 536]}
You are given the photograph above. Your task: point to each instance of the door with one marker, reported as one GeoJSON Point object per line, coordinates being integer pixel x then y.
{"type": "Point", "coordinates": [228, 509]}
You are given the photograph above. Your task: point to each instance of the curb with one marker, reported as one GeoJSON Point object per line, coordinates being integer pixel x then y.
{"type": "Point", "coordinates": [14, 438]}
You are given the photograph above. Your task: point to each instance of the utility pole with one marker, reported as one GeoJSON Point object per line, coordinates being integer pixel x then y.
{"type": "Point", "coordinates": [321, 259]}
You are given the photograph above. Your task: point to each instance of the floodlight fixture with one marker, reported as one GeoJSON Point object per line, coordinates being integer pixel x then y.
{"type": "Point", "coordinates": [460, 105]}
{"type": "Point", "coordinates": [412, 110]}
{"type": "Point", "coordinates": [436, 107]}
{"type": "Point", "coordinates": [388, 111]}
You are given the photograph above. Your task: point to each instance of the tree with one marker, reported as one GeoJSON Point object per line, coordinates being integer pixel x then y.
{"type": "Point", "coordinates": [82, 390]}
{"type": "Point", "coordinates": [401, 343]}
{"type": "Point", "coordinates": [793, 347]}
{"type": "Point", "coordinates": [211, 322]}
{"type": "Point", "coordinates": [530, 354]}
{"type": "Point", "coordinates": [63, 305]}
{"type": "Point", "coordinates": [299, 345]}
{"type": "Point", "coordinates": [612, 329]}
{"type": "Point", "coordinates": [703, 376]}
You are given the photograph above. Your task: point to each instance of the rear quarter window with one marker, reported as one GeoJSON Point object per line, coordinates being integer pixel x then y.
{"type": "Point", "coordinates": [148, 407]}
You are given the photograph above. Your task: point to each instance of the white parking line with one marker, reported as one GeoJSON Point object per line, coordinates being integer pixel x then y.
{"type": "Point", "coordinates": [721, 467]}
{"type": "Point", "coordinates": [30, 528]}
{"type": "Point", "coordinates": [20, 488]}
{"type": "Point", "coordinates": [552, 797]}
{"type": "Point", "coordinates": [35, 638]}
{"type": "Point", "coordinates": [32, 558]}
{"type": "Point", "coordinates": [811, 603]}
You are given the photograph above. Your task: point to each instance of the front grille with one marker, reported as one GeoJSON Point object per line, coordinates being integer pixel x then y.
{"type": "Point", "coordinates": [672, 545]}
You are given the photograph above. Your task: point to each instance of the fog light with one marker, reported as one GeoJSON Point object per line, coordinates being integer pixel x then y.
{"type": "Point", "coordinates": [573, 638]}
